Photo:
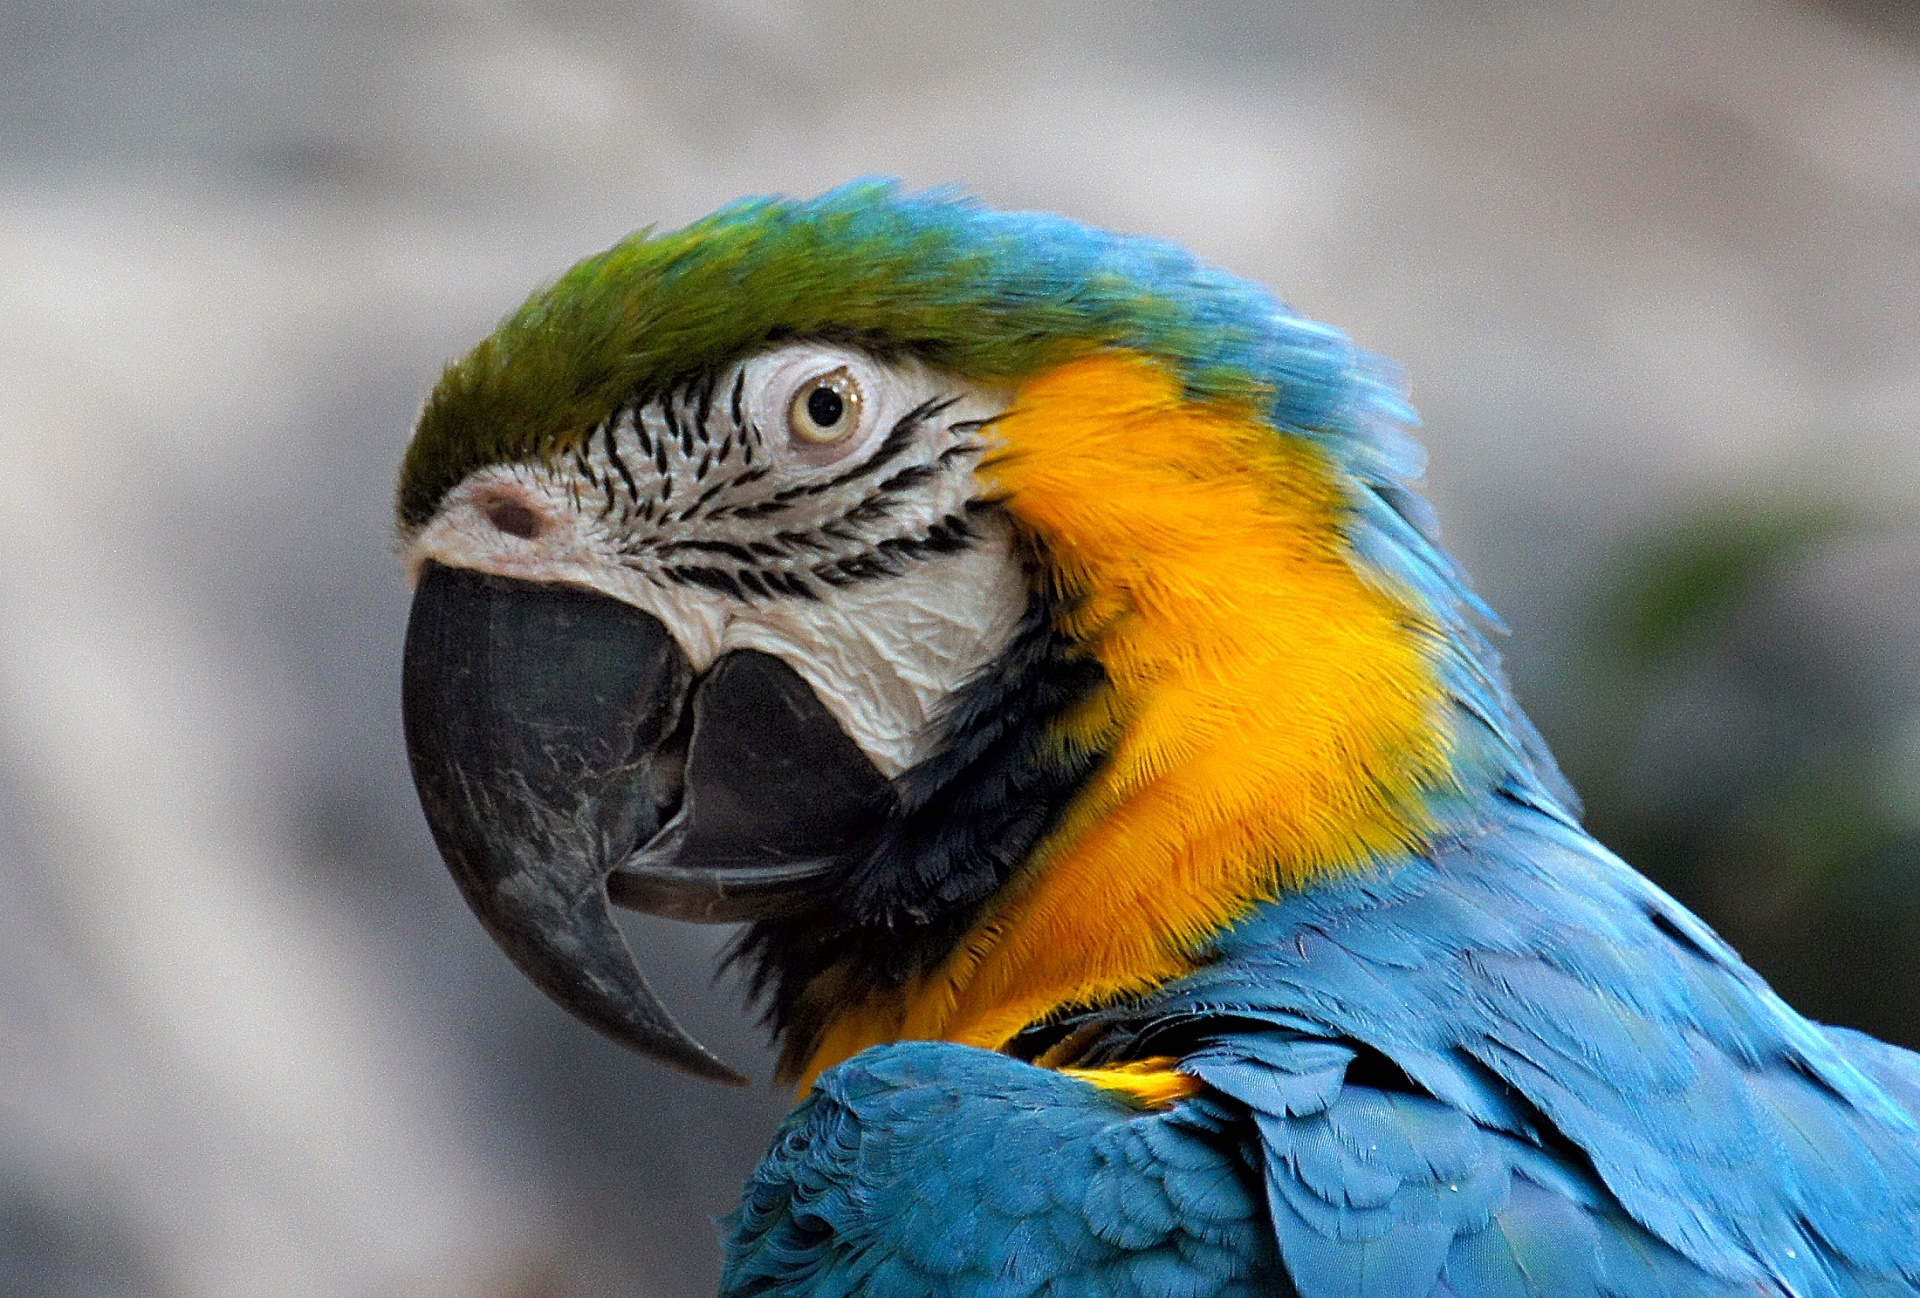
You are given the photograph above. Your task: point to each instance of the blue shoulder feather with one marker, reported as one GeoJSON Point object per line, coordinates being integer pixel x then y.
{"type": "Point", "coordinates": [1512, 1066]}
{"type": "Point", "coordinates": [928, 1168]}
{"type": "Point", "coordinates": [1549, 1009]}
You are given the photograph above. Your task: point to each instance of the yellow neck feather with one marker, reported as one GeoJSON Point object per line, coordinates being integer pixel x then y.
{"type": "Point", "coordinates": [1272, 715]}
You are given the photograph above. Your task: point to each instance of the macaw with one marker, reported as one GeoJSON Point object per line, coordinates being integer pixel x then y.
{"type": "Point", "coordinates": [1031, 636]}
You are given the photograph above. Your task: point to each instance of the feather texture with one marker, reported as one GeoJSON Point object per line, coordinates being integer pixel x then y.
{"type": "Point", "coordinates": [1510, 1066]}
{"type": "Point", "coordinates": [931, 1168]}
{"type": "Point", "coordinates": [1535, 992]}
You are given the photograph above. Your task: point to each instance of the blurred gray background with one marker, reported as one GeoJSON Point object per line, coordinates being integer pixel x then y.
{"type": "Point", "coordinates": [1653, 269]}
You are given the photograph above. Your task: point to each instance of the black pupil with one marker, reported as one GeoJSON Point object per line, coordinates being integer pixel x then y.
{"type": "Point", "coordinates": [825, 406]}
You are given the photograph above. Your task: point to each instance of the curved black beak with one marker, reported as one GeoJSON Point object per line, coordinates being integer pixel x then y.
{"type": "Point", "coordinates": [552, 730]}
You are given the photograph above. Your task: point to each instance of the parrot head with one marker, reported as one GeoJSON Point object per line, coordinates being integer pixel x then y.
{"type": "Point", "coordinates": [985, 610]}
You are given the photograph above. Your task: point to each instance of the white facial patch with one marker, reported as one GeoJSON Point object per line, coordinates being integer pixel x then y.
{"type": "Point", "coordinates": [811, 502]}
{"type": "Point", "coordinates": [883, 655]}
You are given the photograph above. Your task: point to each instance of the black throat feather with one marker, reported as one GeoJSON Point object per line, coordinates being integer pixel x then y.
{"type": "Point", "coordinates": [968, 816]}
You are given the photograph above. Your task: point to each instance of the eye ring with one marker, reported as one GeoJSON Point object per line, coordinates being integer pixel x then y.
{"type": "Point", "coordinates": [826, 407]}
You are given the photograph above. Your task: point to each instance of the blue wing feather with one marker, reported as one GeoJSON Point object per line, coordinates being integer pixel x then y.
{"type": "Point", "coordinates": [1635, 1073]}
{"type": "Point", "coordinates": [930, 1168]}
{"type": "Point", "coordinates": [1509, 1067]}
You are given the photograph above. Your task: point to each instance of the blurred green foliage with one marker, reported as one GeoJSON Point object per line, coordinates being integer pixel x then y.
{"type": "Point", "coordinates": [1680, 587]}
{"type": "Point", "coordinates": [1730, 744]}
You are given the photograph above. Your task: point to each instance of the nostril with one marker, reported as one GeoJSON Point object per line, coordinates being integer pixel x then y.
{"type": "Point", "coordinates": [514, 517]}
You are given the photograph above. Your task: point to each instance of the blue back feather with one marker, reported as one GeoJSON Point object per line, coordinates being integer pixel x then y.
{"type": "Point", "coordinates": [1510, 1066]}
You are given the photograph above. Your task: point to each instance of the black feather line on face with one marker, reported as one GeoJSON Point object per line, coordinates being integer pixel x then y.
{"type": "Point", "coordinates": [835, 552]}
{"type": "Point", "coordinates": [971, 813]}
{"type": "Point", "coordinates": [613, 457]}
{"type": "Point", "coordinates": [703, 408]}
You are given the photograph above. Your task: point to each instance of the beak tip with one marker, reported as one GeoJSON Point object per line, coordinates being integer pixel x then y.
{"type": "Point", "coordinates": [665, 1042]}
{"type": "Point", "coordinates": [695, 1063]}
{"type": "Point", "coordinates": [726, 1076]}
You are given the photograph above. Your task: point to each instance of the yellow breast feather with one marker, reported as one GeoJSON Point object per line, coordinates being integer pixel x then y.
{"type": "Point", "coordinates": [1273, 713]}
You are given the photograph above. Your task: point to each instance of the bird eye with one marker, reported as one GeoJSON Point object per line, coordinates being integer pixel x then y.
{"type": "Point", "coordinates": [827, 407]}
